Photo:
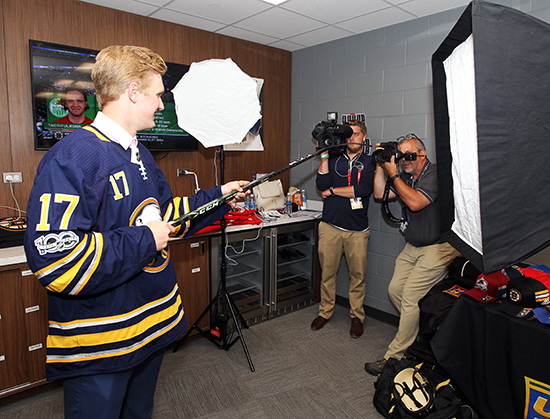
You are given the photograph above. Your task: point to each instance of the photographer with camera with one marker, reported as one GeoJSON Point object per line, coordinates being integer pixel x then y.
{"type": "Point", "coordinates": [345, 180]}
{"type": "Point", "coordinates": [425, 258]}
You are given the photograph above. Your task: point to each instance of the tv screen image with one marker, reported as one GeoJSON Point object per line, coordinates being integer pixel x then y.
{"type": "Point", "coordinates": [64, 99]}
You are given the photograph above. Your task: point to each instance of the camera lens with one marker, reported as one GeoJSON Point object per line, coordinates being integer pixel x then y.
{"type": "Point", "coordinates": [381, 156]}
{"type": "Point", "coordinates": [327, 140]}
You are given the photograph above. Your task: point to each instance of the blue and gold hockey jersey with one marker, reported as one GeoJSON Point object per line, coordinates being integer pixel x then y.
{"type": "Point", "coordinates": [112, 298]}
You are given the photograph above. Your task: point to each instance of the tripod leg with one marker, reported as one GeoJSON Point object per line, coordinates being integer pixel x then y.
{"type": "Point", "coordinates": [236, 310]}
{"type": "Point", "coordinates": [241, 337]}
{"type": "Point", "coordinates": [195, 325]}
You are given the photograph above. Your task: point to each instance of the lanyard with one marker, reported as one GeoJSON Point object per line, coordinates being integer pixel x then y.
{"type": "Point", "coordinates": [358, 177]}
{"type": "Point", "coordinates": [359, 168]}
{"type": "Point", "coordinates": [424, 169]}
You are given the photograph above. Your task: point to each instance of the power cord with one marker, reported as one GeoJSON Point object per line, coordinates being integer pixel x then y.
{"type": "Point", "coordinates": [18, 223]}
{"type": "Point", "coordinates": [188, 172]}
{"type": "Point", "coordinates": [18, 209]}
{"type": "Point", "coordinates": [232, 261]}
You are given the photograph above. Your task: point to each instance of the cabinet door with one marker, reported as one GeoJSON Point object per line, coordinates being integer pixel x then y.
{"type": "Point", "coordinates": [295, 267]}
{"type": "Point", "coordinates": [190, 258]}
{"type": "Point", "coordinates": [35, 306]}
{"type": "Point", "coordinates": [247, 273]}
{"type": "Point", "coordinates": [23, 328]}
{"type": "Point", "coordinates": [13, 368]}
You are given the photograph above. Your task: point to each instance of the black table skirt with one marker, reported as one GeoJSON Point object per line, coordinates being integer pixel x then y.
{"type": "Point", "coordinates": [499, 362]}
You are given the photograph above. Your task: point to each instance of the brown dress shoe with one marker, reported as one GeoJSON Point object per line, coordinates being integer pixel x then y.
{"type": "Point", "coordinates": [318, 323]}
{"type": "Point", "coordinates": [356, 328]}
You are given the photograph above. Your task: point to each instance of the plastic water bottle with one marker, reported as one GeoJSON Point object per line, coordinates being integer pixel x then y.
{"type": "Point", "coordinates": [252, 202]}
{"type": "Point", "coordinates": [304, 200]}
{"type": "Point", "coordinates": [288, 204]}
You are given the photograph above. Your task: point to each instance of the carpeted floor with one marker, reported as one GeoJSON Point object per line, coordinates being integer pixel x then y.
{"type": "Point", "coordinates": [298, 374]}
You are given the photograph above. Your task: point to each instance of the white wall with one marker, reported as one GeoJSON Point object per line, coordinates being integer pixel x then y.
{"type": "Point", "coordinates": [386, 74]}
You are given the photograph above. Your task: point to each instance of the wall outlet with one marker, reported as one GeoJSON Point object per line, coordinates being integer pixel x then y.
{"type": "Point", "coordinates": [13, 177]}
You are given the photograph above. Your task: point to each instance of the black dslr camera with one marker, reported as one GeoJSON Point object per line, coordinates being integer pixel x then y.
{"type": "Point", "coordinates": [330, 133]}
{"type": "Point", "coordinates": [389, 149]}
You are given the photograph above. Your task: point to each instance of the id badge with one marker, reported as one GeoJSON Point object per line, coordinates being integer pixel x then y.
{"type": "Point", "coordinates": [356, 203]}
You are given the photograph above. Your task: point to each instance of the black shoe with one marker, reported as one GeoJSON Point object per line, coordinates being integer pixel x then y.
{"type": "Point", "coordinates": [375, 368]}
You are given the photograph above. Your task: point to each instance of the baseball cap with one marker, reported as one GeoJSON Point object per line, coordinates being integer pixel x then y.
{"type": "Point", "coordinates": [528, 294]}
{"type": "Point", "coordinates": [489, 288]}
{"type": "Point", "coordinates": [530, 291]}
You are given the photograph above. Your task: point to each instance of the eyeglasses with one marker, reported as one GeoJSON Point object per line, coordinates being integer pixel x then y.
{"type": "Point", "coordinates": [408, 156]}
{"type": "Point", "coordinates": [410, 136]}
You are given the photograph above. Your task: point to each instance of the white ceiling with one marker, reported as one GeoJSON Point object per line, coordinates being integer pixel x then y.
{"type": "Point", "coordinates": [292, 25]}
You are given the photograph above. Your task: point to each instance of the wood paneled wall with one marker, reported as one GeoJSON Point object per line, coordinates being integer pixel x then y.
{"type": "Point", "coordinates": [75, 23]}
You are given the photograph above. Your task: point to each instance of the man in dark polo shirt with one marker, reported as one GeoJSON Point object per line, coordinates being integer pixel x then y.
{"type": "Point", "coordinates": [424, 260]}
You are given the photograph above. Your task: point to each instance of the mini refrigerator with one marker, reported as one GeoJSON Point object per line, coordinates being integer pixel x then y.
{"type": "Point", "coordinates": [271, 270]}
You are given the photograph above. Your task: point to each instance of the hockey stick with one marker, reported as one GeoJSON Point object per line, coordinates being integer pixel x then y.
{"type": "Point", "coordinates": [212, 205]}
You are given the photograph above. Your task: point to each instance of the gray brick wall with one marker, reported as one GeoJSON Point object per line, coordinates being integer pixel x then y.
{"type": "Point", "coordinates": [386, 74]}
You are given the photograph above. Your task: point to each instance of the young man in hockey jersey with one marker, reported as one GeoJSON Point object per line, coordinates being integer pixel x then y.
{"type": "Point", "coordinates": [97, 239]}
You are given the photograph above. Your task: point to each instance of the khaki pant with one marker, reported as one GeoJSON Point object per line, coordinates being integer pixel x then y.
{"type": "Point", "coordinates": [417, 270]}
{"type": "Point", "coordinates": [333, 243]}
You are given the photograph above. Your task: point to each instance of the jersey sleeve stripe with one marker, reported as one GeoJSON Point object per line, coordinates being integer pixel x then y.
{"type": "Point", "coordinates": [64, 280]}
{"type": "Point", "coordinates": [64, 261]}
{"type": "Point", "coordinates": [93, 265]}
{"type": "Point", "coordinates": [172, 210]}
{"type": "Point", "coordinates": [185, 211]}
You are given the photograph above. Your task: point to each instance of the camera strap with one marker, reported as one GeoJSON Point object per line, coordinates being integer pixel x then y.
{"type": "Point", "coordinates": [386, 207]}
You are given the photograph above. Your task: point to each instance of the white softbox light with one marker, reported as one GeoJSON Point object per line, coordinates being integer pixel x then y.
{"type": "Point", "coordinates": [491, 79]}
{"type": "Point", "coordinates": [216, 102]}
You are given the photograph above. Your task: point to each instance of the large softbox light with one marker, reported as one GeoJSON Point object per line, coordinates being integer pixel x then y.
{"type": "Point", "coordinates": [491, 85]}
{"type": "Point", "coordinates": [217, 102]}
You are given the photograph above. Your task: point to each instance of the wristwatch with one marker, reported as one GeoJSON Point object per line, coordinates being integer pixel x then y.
{"type": "Point", "coordinates": [331, 189]}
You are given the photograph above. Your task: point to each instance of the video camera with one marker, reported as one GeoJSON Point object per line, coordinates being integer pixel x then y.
{"type": "Point", "coordinates": [389, 149]}
{"type": "Point", "coordinates": [330, 133]}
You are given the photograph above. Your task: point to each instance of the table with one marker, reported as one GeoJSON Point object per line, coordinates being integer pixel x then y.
{"type": "Point", "coordinates": [500, 363]}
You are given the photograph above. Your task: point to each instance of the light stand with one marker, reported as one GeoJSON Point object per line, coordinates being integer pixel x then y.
{"type": "Point", "coordinates": [222, 306]}
{"type": "Point", "coordinates": [222, 301]}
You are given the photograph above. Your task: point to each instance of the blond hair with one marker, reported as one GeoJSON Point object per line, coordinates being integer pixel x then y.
{"type": "Point", "coordinates": [118, 66]}
{"type": "Point", "coordinates": [357, 123]}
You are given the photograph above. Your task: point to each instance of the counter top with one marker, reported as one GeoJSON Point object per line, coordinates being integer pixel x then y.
{"type": "Point", "coordinates": [296, 217]}
{"type": "Point", "coordinates": [12, 256]}
{"type": "Point", "coordinates": [16, 255]}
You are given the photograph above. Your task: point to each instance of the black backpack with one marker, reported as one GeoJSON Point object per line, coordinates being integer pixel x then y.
{"type": "Point", "coordinates": [412, 389]}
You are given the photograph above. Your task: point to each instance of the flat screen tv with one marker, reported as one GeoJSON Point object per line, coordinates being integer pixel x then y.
{"type": "Point", "coordinates": [63, 98]}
